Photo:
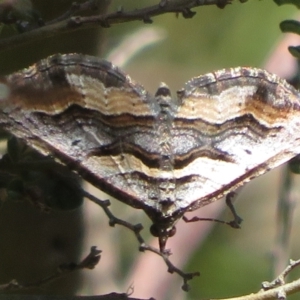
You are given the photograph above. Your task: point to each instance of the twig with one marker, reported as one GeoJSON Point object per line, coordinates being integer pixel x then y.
{"type": "Point", "coordinates": [68, 22]}
{"type": "Point", "coordinates": [235, 223]}
{"type": "Point", "coordinates": [75, 7]}
{"type": "Point", "coordinates": [280, 280]}
{"type": "Point", "coordinates": [136, 229]}
{"type": "Point", "coordinates": [89, 262]}
{"type": "Point", "coordinates": [273, 294]}
{"type": "Point", "coordinates": [270, 290]}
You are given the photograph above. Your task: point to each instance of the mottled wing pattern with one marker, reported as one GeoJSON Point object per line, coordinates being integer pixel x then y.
{"type": "Point", "coordinates": [233, 125]}
{"type": "Point", "coordinates": [87, 113]}
{"type": "Point", "coordinates": [161, 154]}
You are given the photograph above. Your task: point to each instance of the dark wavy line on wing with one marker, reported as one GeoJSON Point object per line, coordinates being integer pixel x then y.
{"type": "Point", "coordinates": [245, 125]}
{"type": "Point", "coordinates": [153, 160]}
{"type": "Point", "coordinates": [127, 121]}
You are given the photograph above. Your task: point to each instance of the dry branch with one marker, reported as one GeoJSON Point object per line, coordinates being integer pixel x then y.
{"type": "Point", "coordinates": [68, 22]}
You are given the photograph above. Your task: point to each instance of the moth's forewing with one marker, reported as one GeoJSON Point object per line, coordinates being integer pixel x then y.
{"type": "Point", "coordinates": [237, 124]}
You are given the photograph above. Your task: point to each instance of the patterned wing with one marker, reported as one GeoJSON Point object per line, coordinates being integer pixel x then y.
{"type": "Point", "coordinates": [163, 155]}
{"type": "Point", "coordinates": [88, 114]}
{"type": "Point", "coordinates": [231, 126]}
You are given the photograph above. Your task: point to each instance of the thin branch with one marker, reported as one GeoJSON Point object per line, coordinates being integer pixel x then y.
{"type": "Point", "coordinates": [136, 229]}
{"type": "Point", "coordinates": [68, 22]}
{"type": "Point", "coordinates": [270, 291]}
{"type": "Point", "coordinates": [274, 294]}
{"type": "Point", "coordinates": [280, 280]}
{"type": "Point", "coordinates": [75, 7]}
{"type": "Point", "coordinates": [89, 262]}
{"type": "Point", "coordinates": [235, 223]}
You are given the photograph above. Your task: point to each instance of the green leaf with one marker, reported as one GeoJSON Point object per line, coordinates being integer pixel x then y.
{"type": "Point", "coordinates": [281, 2]}
{"type": "Point", "coordinates": [290, 26]}
{"type": "Point", "coordinates": [295, 51]}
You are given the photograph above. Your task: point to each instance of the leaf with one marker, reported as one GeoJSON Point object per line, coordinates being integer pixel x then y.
{"type": "Point", "coordinates": [290, 26]}
{"type": "Point", "coordinates": [295, 51]}
{"type": "Point", "coordinates": [281, 2]}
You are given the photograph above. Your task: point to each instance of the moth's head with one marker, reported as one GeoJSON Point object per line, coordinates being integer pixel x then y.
{"type": "Point", "coordinates": [163, 91]}
{"type": "Point", "coordinates": [162, 233]}
{"type": "Point", "coordinates": [164, 99]}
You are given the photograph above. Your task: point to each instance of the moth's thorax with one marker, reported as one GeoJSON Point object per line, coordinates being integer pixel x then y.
{"type": "Point", "coordinates": [165, 187]}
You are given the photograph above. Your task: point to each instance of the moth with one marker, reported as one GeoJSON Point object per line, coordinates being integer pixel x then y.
{"type": "Point", "coordinates": [166, 155]}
